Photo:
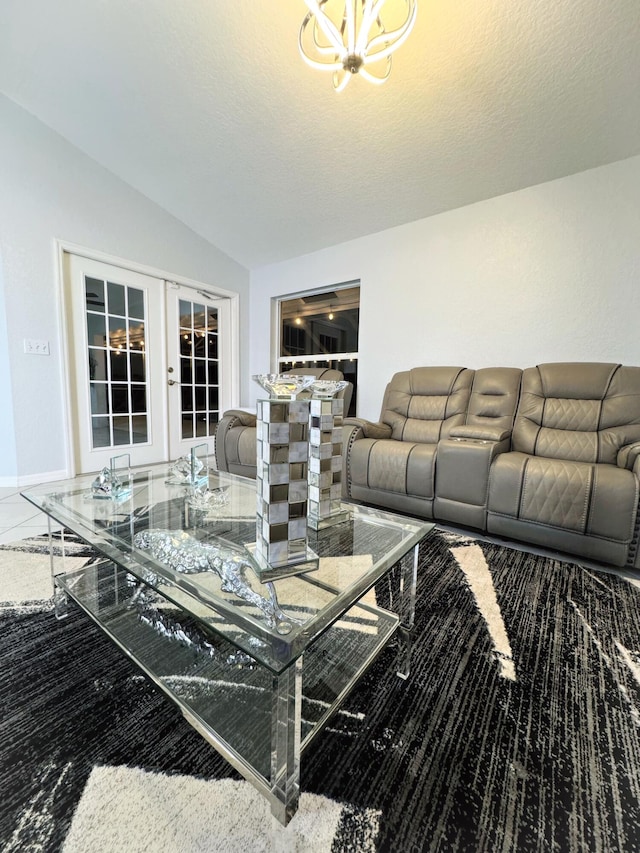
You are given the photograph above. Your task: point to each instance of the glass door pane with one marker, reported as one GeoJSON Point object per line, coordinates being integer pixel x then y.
{"type": "Point", "coordinates": [199, 369]}
{"type": "Point", "coordinates": [118, 380]}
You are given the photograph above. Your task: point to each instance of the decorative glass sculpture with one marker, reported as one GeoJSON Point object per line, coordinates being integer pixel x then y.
{"type": "Point", "coordinates": [282, 454]}
{"type": "Point", "coordinates": [192, 469]}
{"type": "Point", "coordinates": [283, 386]}
{"type": "Point", "coordinates": [325, 389]}
{"type": "Point", "coordinates": [207, 500]}
{"type": "Point", "coordinates": [325, 455]}
{"type": "Point", "coordinates": [114, 482]}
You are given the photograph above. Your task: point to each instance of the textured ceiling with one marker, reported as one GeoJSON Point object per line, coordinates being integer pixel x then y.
{"type": "Point", "coordinates": [206, 107]}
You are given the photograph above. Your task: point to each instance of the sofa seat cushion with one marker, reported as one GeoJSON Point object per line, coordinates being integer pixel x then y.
{"type": "Point", "coordinates": [590, 499]}
{"type": "Point", "coordinates": [402, 467]}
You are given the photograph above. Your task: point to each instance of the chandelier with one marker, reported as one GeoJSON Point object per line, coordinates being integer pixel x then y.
{"type": "Point", "coordinates": [349, 37]}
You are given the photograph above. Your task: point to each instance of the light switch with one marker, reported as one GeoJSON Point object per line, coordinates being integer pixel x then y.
{"type": "Point", "coordinates": [36, 347]}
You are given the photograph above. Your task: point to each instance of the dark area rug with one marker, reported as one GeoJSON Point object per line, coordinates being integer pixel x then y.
{"type": "Point", "coordinates": [517, 730]}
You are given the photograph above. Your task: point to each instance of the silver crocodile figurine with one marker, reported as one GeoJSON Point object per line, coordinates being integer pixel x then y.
{"type": "Point", "coordinates": [182, 553]}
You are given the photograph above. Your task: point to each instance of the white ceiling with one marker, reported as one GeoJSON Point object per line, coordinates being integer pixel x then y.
{"type": "Point", "coordinates": [206, 107]}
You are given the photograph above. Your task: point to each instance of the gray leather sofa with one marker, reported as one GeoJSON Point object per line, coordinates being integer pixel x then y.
{"type": "Point", "coordinates": [548, 456]}
{"type": "Point", "coordinates": [235, 441]}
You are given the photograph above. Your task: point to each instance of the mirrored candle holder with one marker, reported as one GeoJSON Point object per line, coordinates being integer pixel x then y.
{"type": "Point", "coordinates": [282, 458]}
{"type": "Point", "coordinates": [325, 455]}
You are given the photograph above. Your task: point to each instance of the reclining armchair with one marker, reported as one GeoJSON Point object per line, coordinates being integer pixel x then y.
{"type": "Point", "coordinates": [391, 463]}
{"type": "Point", "coordinates": [235, 441]}
{"type": "Point", "coordinates": [570, 480]}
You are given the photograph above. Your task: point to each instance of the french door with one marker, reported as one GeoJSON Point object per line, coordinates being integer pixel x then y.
{"type": "Point", "coordinates": [197, 326]}
{"type": "Point", "coordinates": [148, 364]}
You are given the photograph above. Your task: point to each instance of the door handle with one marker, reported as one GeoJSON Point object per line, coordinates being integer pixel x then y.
{"type": "Point", "coordinates": [172, 382]}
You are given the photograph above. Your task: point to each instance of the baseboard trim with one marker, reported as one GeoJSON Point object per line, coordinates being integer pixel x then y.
{"type": "Point", "coordinates": [32, 479]}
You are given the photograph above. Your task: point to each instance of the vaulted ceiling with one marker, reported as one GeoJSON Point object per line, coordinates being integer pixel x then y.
{"type": "Point", "coordinates": [206, 108]}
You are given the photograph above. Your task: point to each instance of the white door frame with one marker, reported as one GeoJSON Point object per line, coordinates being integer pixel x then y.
{"type": "Point", "coordinates": [62, 247]}
{"type": "Point", "coordinates": [91, 456]}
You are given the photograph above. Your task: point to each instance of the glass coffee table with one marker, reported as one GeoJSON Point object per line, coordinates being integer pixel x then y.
{"type": "Point", "coordinates": [256, 668]}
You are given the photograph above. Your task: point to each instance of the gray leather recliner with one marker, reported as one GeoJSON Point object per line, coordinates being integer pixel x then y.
{"type": "Point", "coordinates": [392, 463]}
{"type": "Point", "coordinates": [235, 440]}
{"type": "Point", "coordinates": [571, 479]}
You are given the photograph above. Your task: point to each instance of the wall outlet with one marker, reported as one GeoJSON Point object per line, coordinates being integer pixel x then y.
{"type": "Point", "coordinates": [36, 347]}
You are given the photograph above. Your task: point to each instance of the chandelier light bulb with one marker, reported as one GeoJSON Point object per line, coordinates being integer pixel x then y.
{"type": "Point", "coordinates": [350, 37]}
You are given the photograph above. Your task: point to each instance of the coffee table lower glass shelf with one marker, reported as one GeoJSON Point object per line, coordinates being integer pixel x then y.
{"type": "Point", "coordinates": [260, 721]}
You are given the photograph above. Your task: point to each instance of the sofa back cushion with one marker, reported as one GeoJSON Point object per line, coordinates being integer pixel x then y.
{"type": "Point", "coordinates": [494, 397]}
{"type": "Point", "coordinates": [425, 403]}
{"type": "Point", "coordinates": [578, 410]}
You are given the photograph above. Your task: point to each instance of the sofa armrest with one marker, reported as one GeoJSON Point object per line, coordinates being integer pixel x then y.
{"type": "Point", "coordinates": [477, 432]}
{"type": "Point", "coordinates": [628, 456]}
{"type": "Point", "coordinates": [234, 424]}
{"type": "Point", "coordinates": [352, 430]}
{"type": "Point", "coordinates": [367, 429]}
{"type": "Point", "coordinates": [239, 417]}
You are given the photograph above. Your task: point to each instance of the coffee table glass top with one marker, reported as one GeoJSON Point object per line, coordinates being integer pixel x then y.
{"type": "Point", "coordinates": [197, 559]}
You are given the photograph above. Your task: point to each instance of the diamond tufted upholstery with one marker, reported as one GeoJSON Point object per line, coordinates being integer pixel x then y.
{"type": "Point", "coordinates": [570, 481]}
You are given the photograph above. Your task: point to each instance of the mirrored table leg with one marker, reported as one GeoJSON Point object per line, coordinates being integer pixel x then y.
{"type": "Point", "coordinates": [60, 598]}
{"type": "Point", "coordinates": [406, 609]}
{"type": "Point", "coordinates": [286, 720]}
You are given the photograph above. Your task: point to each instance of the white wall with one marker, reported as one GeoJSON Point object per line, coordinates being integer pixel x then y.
{"type": "Point", "coordinates": [550, 273]}
{"type": "Point", "coordinates": [7, 436]}
{"type": "Point", "coordinates": [50, 190]}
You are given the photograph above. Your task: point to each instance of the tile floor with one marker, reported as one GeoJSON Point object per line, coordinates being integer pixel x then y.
{"type": "Point", "coordinates": [18, 518]}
